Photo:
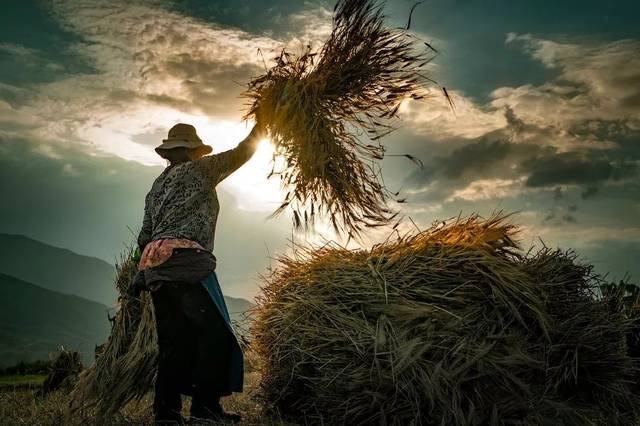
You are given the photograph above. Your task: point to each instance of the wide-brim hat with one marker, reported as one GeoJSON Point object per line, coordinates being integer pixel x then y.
{"type": "Point", "coordinates": [183, 136]}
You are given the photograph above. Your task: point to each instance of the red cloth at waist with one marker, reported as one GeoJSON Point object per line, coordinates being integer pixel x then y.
{"type": "Point", "coordinates": [158, 251]}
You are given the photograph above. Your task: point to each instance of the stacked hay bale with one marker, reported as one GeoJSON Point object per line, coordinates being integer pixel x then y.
{"type": "Point", "coordinates": [126, 365]}
{"type": "Point", "coordinates": [453, 325]}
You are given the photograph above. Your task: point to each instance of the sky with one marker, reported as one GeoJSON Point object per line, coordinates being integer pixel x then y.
{"type": "Point", "coordinates": [546, 121]}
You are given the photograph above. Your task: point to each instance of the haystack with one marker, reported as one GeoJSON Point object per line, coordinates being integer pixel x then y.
{"type": "Point", "coordinates": [317, 105]}
{"type": "Point", "coordinates": [453, 325]}
{"type": "Point", "coordinates": [126, 366]}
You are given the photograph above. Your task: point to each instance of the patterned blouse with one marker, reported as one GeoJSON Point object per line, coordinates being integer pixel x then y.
{"type": "Point", "coordinates": [183, 204]}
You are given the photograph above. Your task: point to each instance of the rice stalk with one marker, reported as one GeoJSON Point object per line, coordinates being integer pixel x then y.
{"type": "Point", "coordinates": [317, 105]}
{"type": "Point", "coordinates": [125, 368]}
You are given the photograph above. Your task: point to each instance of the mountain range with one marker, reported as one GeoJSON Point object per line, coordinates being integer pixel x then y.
{"type": "Point", "coordinates": [57, 269]}
{"type": "Point", "coordinates": [35, 321]}
{"type": "Point", "coordinates": [52, 297]}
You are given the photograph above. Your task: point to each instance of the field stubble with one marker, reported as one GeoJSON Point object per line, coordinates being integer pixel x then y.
{"type": "Point", "coordinates": [22, 406]}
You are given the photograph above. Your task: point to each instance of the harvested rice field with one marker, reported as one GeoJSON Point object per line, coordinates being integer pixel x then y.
{"type": "Point", "coordinates": [22, 406]}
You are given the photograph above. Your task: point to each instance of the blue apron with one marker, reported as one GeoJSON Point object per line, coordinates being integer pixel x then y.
{"type": "Point", "coordinates": [237, 360]}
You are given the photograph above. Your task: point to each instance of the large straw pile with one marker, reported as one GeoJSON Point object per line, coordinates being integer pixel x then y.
{"type": "Point", "coordinates": [453, 325]}
{"type": "Point", "coordinates": [126, 366]}
{"type": "Point", "coordinates": [315, 102]}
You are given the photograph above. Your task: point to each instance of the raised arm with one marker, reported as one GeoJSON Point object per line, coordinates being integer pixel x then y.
{"type": "Point", "coordinates": [220, 166]}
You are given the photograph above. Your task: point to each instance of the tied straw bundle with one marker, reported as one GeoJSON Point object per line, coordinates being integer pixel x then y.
{"type": "Point", "coordinates": [314, 103]}
{"type": "Point", "coordinates": [126, 365]}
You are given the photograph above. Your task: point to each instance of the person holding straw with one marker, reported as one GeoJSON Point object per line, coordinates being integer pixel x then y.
{"type": "Point", "coordinates": [199, 354]}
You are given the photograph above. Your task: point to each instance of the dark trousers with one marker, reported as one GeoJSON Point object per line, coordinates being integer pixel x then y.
{"type": "Point", "coordinates": [194, 350]}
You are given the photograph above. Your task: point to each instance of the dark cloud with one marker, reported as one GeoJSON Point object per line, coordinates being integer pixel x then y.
{"type": "Point", "coordinates": [631, 101]}
{"type": "Point", "coordinates": [589, 192]}
{"type": "Point", "coordinates": [566, 168]}
{"type": "Point", "coordinates": [122, 96]}
{"type": "Point", "coordinates": [575, 167]}
{"type": "Point", "coordinates": [209, 86]}
{"type": "Point", "coordinates": [543, 166]}
{"type": "Point", "coordinates": [601, 130]}
{"type": "Point", "coordinates": [558, 218]}
{"type": "Point", "coordinates": [494, 155]}
{"type": "Point", "coordinates": [33, 47]}
{"type": "Point", "coordinates": [516, 124]}
{"type": "Point", "coordinates": [561, 215]}
{"type": "Point", "coordinates": [475, 157]}
{"type": "Point", "coordinates": [255, 16]}
{"type": "Point", "coordinates": [479, 159]}
{"type": "Point", "coordinates": [180, 104]}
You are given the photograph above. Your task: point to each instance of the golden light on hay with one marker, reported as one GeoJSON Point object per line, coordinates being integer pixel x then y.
{"type": "Point", "coordinates": [452, 325]}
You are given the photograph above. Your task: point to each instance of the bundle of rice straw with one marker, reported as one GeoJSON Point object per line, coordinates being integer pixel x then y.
{"type": "Point", "coordinates": [63, 372]}
{"type": "Point", "coordinates": [453, 325]}
{"type": "Point", "coordinates": [125, 368]}
{"type": "Point", "coordinates": [314, 103]}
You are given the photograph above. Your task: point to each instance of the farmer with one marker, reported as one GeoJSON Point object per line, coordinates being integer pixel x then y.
{"type": "Point", "coordinates": [199, 354]}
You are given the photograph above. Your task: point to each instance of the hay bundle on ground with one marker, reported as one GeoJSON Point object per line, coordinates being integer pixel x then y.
{"type": "Point", "coordinates": [63, 372]}
{"type": "Point", "coordinates": [126, 366]}
{"type": "Point", "coordinates": [313, 104]}
{"type": "Point", "coordinates": [453, 325]}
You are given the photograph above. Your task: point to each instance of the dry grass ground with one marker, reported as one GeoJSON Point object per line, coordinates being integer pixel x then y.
{"type": "Point", "coordinates": [20, 405]}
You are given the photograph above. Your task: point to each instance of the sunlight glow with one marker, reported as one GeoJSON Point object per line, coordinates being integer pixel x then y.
{"type": "Point", "coordinates": [249, 185]}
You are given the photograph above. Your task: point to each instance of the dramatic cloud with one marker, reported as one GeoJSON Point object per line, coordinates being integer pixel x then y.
{"type": "Point", "coordinates": [596, 81]}
{"type": "Point", "coordinates": [150, 67]}
{"type": "Point", "coordinates": [573, 167]}
{"type": "Point", "coordinates": [573, 130]}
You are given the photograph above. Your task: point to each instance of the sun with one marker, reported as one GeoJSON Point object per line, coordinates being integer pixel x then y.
{"type": "Point", "coordinates": [249, 184]}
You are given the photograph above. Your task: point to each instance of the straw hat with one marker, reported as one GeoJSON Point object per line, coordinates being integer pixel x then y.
{"type": "Point", "coordinates": [185, 136]}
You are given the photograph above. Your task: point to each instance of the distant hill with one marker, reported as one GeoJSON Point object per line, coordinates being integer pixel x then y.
{"type": "Point", "coordinates": [35, 321]}
{"type": "Point", "coordinates": [237, 307]}
{"type": "Point", "coordinates": [57, 269]}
